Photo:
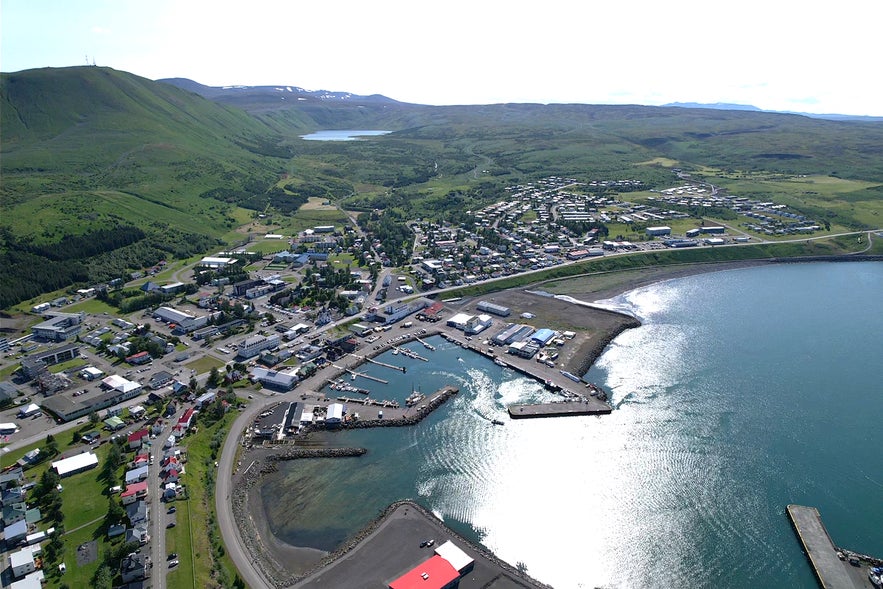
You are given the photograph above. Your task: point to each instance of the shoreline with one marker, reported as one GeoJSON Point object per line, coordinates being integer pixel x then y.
{"type": "Point", "coordinates": [270, 552]}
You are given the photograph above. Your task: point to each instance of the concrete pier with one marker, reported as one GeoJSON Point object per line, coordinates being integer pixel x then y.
{"type": "Point", "coordinates": [562, 409]}
{"type": "Point", "coordinates": [821, 551]}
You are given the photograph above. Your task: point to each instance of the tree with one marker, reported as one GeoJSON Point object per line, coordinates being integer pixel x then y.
{"type": "Point", "coordinates": [194, 384]}
{"type": "Point", "coordinates": [214, 377]}
{"type": "Point", "coordinates": [51, 446]}
{"type": "Point", "coordinates": [115, 512]}
{"type": "Point", "coordinates": [93, 418]}
{"type": "Point", "coordinates": [103, 578]}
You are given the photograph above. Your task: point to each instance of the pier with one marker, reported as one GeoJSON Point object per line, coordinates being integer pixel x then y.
{"type": "Point", "coordinates": [410, 354]}
{"type": "Point", "coordinates": [384, 403]}
{"type": "Point", "coordinates": [384, 364]}
{"type": "Point", "coordinates": [831, 572]}
{"type": "Point", "coordinates": [557, 409]}
{"type": "Point", "coordinates": [426, 345]}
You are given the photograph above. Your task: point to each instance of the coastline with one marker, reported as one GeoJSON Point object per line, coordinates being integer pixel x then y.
{"type": "Point", "coordinates": [602, 326]}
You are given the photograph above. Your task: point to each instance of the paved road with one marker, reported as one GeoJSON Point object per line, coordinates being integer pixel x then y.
{"type": "Point", "coordinates": [223, 505]}
{"type": "Point", "coordinates": [158, 508]}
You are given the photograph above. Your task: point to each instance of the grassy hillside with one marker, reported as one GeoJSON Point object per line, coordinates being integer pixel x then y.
{"type": "Point", "coordinates": [89, 149]}
{"type": "Point", "coordinates": [86, 150]}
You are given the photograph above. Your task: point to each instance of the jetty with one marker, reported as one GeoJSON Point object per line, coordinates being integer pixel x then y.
{"type": "Point", "coordinates": [557, 409]}
{"type": "Point", "coordinates": [384, 364]}
{"type": "Point", "coordinates": [409, 353]}
{"type": "Point", "coordinates": [366, 401]}
{"type": "Point", "coordinates": [823, 555]}
{"type": "Point", "coordinates": [426, 345]}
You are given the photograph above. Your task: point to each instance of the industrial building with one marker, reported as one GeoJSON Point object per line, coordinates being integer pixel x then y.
{"type": "Point", "coordinates": [658, 231]}
{"type": "Point", "coordinates": [512, 333]}
{"type": "Point", "coordinates": [184, 322]}
{"type": "Point", "coordinates": [487, 307]}
{"type": "Point", "coordinates": [459, 321]}
{"type": "Point", "coordinates": [478, 324]}
{"type": "Point", "coordinates": [543, 336]}
{"type": "Point", "coordinates": [441, 571]}
{"type": "Point", "coordinates": [59, 327]}
{"type": "Point", "coordinates": [273, 379]}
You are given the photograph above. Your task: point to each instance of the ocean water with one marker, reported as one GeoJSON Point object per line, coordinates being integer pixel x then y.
{"type": "Point", "coordinates": [742, 392]}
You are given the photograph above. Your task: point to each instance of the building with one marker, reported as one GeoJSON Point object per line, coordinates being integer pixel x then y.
{"type": "Point", "coordinates": [137, 439]}
{"type": "Point", "coordinates": [334, 416]}
{"type": "Point", "coordinates": [543, 336]}
{"type": "Point", "coordinates": [499, 310]}
{"type": "Point", "coordinates": [139, 358]}
{"type": "Point", "coordinates": [134, 492]}
{"type": "Point", "coordinates": [435, 573]}
{"type": "Point", "coordinates": [254, 345]}
{"type": "Point", "coordinates": [132, 568]}
{"type": "Point", "coordinates": [34, 364]}
{"type": "Point", "coordinates": [59, 327]}
{"type": "Point", "coordinates": [392, 313]}
{"type": "Point", "coordinates": [478, 324]}
{"type": "Point", "coordinates": [184, 322]}
{"type": "Point", "coordinates": [512, 333]}
{"type": "Point", "coordinates": [658, 231]}
{"type": "Point", "coordinates": [459, 321]}
{"type": "Point", "coordinates": [119, 384]}
{"type": "Point", "coordinates": [75, 464]}
{"type": "Point", "coordinates": [713, 230]}
{"type": "Point", "coordinates": [524, 349]}
{"type": "Point", "coordinates": [22, 562]}
{"type": "Point", "coordinates": [216, 263]}
{"type": "Point", "coordinates": [279, 380]}
{"type": "Point", "coordinates": [136, 475]}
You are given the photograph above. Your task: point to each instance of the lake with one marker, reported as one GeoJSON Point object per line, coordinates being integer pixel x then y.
{"type": "Point", "coordinates": [343, 135]}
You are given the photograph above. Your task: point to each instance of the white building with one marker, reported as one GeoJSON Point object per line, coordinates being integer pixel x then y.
{"type": "Point", "coordinates": [75, 464]}
{"type": "Point", "coordinates": [254, 345]}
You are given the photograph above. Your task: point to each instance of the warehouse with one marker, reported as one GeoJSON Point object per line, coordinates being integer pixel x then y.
{"type": "Point", "coordinates": [459, 321]}
{"type": "Point", "coordinates": [658, 231]}
{"type": "Point", "coordinates": [75, 464]}
{"type": "Point", "coordinates": [492, 308]}
{"type": "Point", "coordinates": [543, 336]}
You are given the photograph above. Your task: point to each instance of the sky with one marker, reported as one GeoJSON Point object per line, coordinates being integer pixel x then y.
{"type": "Point", "coordinates": [773, 54]}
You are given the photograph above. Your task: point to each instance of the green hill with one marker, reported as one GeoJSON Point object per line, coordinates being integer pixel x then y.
{"type": "Point", "coordinates": [88, 150]}
{"type": "Point", "coordinates": [104, 171]}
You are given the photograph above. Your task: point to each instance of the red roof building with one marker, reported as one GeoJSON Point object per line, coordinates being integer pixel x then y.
{"type": "Point", "coordinates": [435, 573]}
{"type": "Point", "coordinates": [137, 438]}
{"type": "Point", "coordinates": [139, 358]}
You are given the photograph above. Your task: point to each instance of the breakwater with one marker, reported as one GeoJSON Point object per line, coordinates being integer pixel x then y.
{"type": "Point", "coordinates": [432, 403]}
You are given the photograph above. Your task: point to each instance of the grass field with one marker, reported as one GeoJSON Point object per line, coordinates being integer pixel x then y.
{"type": "Point", "coordinates": [204, 364]}
{"type": "Point", "coordinates": [92, 306]}
{"type": "Point", "coordinates": [193, 536]}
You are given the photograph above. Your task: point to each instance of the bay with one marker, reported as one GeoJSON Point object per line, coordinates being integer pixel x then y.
{"type": "Point", "coordinates": [743, 391]}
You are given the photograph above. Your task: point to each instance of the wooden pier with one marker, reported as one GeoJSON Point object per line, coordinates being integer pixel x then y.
{"type": "Point", "coordinates": [820, 550]}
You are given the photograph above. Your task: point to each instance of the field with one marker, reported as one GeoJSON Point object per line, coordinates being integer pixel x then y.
{"type": "Point", "coordinates": [204, 364]}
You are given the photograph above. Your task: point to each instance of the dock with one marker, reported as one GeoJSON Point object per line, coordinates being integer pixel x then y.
{"type": "Point", "coordinates": [384, 364]}
{"type": "Point", "coordinates": [820, 550]}
{"type": "Point", "coordinates": [559, 409]}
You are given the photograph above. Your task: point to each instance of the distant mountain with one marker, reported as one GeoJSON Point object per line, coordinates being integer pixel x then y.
{"type": "Point", "coordinates": [748, 107]}
{"type": "Point", "coordinates": [257, 94]}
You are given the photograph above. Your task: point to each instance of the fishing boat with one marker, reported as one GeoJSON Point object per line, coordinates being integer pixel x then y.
{"type": "Point", "coordinates": [498, 422]}
{"type": "Point", "coordinates": [500, 362]}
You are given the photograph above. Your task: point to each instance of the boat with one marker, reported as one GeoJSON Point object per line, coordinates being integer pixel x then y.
{"type": "Point", "coordinates": [500, 362]}
{"type": "Point", "coordinates": [395, 351]}
{"type": "Point", "coordinates": [498, 422]}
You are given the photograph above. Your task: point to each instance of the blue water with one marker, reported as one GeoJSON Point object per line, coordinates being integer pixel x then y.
{"type": "Point", "coordinates": [742, 392]}
{"type": "Point", "coordinates": [342, 134]}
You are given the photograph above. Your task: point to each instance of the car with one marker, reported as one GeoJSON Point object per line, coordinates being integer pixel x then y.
{"type": "Point", "coordinates": [170, 525]}
{"type": "Point", "coordinates": [172, 509]}
{"type": "Point", "coordinates": [427, 543]}
{"type": "Point", "coordinates": [172, 556]}
{"type": "Point", "coordinates": [173, 563]}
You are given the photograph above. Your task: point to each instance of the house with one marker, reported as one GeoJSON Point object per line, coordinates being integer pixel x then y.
{"type": "Point", "coordinates": [12, 495]}
{"type": "Point", "coordinates": [116, 530]}
{"type": "Point", "coordinates": [138, 534]}
{"type": "Point", "coordinates": [8, 392]}
{"type": "Point", "coordinates": [160, 379]}
{"type": "Point", "coordinates": [138, 512]}
{"type": "Point", "coordinates": [139, 358]}
{"type": "Point", "coordinates": [134, 492]}
{"type": "Point", "coordinates": [114, 423]}
{"type": "Point", "coordinates": [137, 439]}
{"type": "Point", "coordinates": [141, 460]}
{"type": "Point", "coordinates": [22, 562]}
{"type": "Point", "coordinates": [14, 477]}
{"type": "Point", "coordinates": [15, 533]}
{"type": "Point", "coordinates": [14, 512]}
{"type": "Point", "coordinates": [184, 422]}
{"type": "Point", "coordinates": [136, 474]}
{"type": "Point", "coordinates": [132, 568]}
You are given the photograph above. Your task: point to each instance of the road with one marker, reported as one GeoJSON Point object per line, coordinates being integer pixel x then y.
{"type": "Point", "coordinates": [158, 519]}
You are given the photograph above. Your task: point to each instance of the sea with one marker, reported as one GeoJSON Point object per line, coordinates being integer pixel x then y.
{"type": "Point", "coordinates": [743, 391]}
